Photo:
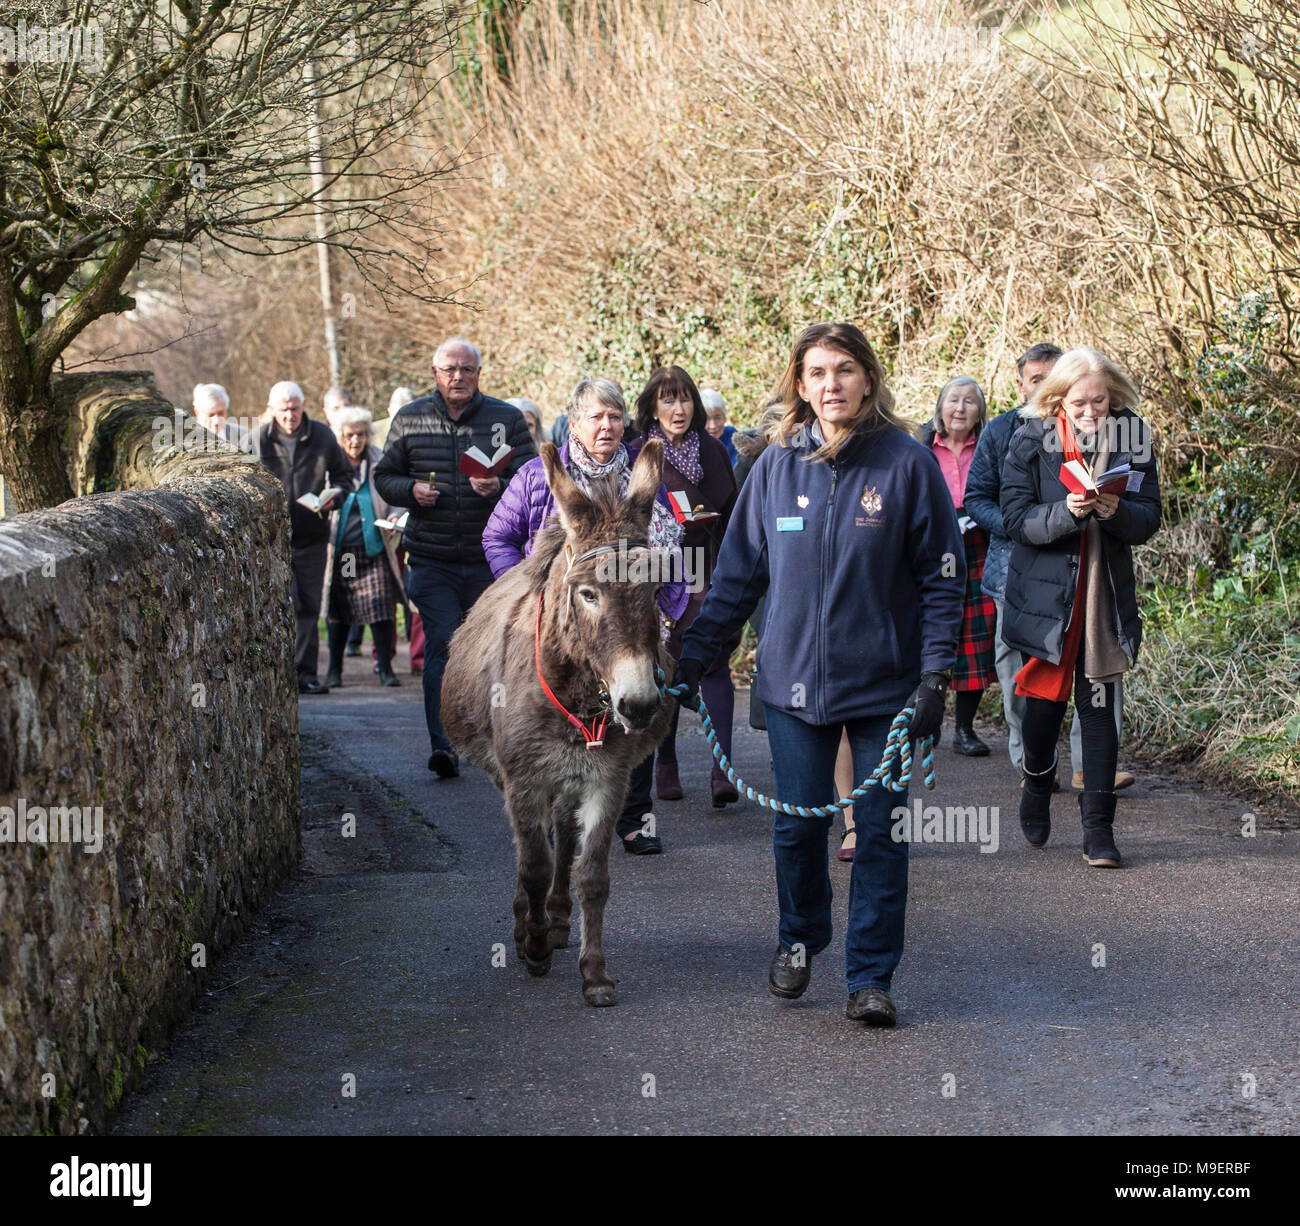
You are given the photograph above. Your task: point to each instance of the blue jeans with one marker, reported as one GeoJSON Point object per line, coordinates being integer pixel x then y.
{"type": "Point", "coordinates": [442, 592]}
{"type": "Point", "coordinates": [803, 761]}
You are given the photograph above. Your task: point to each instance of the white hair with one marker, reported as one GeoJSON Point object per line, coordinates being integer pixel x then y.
{"type": "Point", "coordinates": [526, 406]}
{"type": "Point", "coordinates": [712, 400]}
{"type": "Point", "coordinates": [285, 388]}
{"type": "Point", "coordinates": [459, 342]}
{"type": "Point", "coordinates": [208, 393]}
{"type": "Point", "coordinates": [401, 396]}
{"type": "Point", "coordinates": [352, 415]}
{"type": "Point", "coordinates": [603, 391]}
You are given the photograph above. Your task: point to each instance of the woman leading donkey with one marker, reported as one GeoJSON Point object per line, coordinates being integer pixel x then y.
{"type": "Point", "coordinates": [846, 523]}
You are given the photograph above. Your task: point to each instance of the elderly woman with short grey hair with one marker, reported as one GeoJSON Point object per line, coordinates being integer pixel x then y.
{"type": "Point", "coordinates": [595, 450]}
{"type": "Point", "coordinates": [363, 578]}
{"type": "Point", "coordinates": [952, 434]}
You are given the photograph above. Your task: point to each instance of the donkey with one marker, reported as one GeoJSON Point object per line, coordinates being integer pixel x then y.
{"type": "Point", "coordinates": [565, 619]}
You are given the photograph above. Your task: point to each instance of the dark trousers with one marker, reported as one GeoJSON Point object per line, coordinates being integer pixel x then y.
{"type": "Point", "coordinates": [442, 592]}
{"type": "Point", "coordinates": [715, 685]}
{"type": "Point", "coordinates": [340, 635]}
{"type": "Point", "coordinates": [719, 699]}
{"type": "Point", "coordinates": [636, 806]}
{"type": "Point", "coordinates": [803, 762]}
{"type": "Point", "coordinates": [1096, 706]}
{"type": "Point", "coordinates": [305, 591]}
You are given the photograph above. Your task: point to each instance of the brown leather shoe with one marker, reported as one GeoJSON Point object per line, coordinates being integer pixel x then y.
{"type": "Point", "coordinates": [871, 1005]}
{"type": "Point", "coordinates": [1123, 779]}
{"type": "Point", "coordinates": [788, 975]}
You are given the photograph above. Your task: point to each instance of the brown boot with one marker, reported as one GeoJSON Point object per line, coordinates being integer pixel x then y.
{"type": "Point", "coordinates": [667, 785]}
{"type": "Point", "coordinates": [724, 791]}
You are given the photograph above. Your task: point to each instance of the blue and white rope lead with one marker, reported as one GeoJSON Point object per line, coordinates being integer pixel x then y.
{"type": "Point", "coordinates": [898, 749]}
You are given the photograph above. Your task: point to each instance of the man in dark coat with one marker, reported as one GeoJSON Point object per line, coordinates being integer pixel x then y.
{"type": "Point", "coordinates": [449, 510]}
{"type": "Point", "coordinates": [307, 459]}
{"type": "Point", "coordinates": [983, 495]}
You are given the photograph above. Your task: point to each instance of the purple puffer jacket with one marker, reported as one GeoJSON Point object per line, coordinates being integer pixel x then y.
{"type": "Point", "coordinates": [522, 513]}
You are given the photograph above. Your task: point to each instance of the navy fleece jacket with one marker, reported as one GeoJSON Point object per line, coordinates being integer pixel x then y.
{"type": "Point", "coordinates": [863, 565]}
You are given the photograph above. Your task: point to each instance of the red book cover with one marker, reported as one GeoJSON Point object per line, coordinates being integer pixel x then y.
{"type": "Point", "coordinates": [1076, 478]}
{"type": "Point", "coordinates": [473, 463]}
{"type": "Point", "coordinates": [683, 510]}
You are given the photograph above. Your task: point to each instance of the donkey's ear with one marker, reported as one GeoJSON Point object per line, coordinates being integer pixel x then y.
{"type": "Point", "coordinates": [647, 476]}
{"type": "Point", "coordinates": [574, 507]}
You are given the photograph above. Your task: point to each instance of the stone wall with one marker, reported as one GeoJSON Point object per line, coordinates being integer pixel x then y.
{"type": "Point", "coordinates": [146, 671]}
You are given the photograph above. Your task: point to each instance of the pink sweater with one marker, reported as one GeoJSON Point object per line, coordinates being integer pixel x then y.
{"type": "Point", "coordinates": [956, 468]}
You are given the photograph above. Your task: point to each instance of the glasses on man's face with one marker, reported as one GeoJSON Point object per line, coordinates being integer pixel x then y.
{"type": "Point", "coordinates": [449, 371]}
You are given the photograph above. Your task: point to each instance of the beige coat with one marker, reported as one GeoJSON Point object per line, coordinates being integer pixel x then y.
{"type": "Point", "coordinates": [382, 511]}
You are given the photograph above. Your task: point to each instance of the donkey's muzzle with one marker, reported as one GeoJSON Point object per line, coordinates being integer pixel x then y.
{"type": "Point", "coordinates": [633, 691]}
{"type": "Point", "coordinates": [636, 713]}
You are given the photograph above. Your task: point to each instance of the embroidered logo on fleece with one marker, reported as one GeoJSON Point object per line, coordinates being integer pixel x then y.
{"type": "Point", "coordinates": [872, 503]}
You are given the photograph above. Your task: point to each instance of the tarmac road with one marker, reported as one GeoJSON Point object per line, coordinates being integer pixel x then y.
{"type": "Point", "coordinates": [377, 963]}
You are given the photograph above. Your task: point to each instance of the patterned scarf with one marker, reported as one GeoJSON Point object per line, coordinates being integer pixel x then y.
{"type": "Point", "coordinates": [685, 456]}
{"type": "Point", "coordinates": [665, 531]}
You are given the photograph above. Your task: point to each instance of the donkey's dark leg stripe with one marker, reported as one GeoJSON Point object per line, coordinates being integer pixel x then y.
{"type": "Point", "coordinates": [592, 874]}
{"type": "Point", "coordinates": [559, 904]}
{"type": "Point", "coordinates": [535, 872]}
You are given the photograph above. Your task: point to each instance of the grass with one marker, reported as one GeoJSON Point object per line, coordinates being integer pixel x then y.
{"type": "Point", "coordinates": [1217, 684]}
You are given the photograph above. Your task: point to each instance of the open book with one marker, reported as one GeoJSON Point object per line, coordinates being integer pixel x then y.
{"type": "Point", "coordinates": [474, 463]}
{"type": "Point", "coordinates": [1118, 480]}
{"type": "Point", "coordinates": [394, 525]}
{"type": "Point", "coordinates": [312, 501]}
{"type": "Point", "coordinates": [686, 514]}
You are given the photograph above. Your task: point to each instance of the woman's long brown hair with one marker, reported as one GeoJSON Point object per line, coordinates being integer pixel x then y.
{"type": "Point", "coordinates": [790, 414]}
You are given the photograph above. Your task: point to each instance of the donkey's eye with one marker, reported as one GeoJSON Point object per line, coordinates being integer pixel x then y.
{"type": "Point", "coordinates": [589, 595]}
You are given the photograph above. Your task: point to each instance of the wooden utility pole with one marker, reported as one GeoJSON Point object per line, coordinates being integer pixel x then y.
{"type": "Point", "coordinates": [322, 223]}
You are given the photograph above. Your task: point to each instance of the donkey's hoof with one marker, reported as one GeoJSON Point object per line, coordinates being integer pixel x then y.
{"type": "Point", "coordinates": [537, 968]}
{"type": "Point", "coordinates": [599, 995]}
{"type": "Point", "coordinates": [559, 936]}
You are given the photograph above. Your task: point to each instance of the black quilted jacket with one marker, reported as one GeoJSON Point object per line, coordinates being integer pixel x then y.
{"type": "Point", "coordinates": [1043, 576]}
{"type": "Point", "coordinates": [423, 439]}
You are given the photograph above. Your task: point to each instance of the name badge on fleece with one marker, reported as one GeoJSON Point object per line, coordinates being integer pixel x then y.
{"type": "Point", "coordinates": [789, 523]}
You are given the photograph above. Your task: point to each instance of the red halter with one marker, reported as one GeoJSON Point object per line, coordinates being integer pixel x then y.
{"type": "Point", "coordinates": [595, 735]}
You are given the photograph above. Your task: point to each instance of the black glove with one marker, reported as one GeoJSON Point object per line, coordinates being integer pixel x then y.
{"type": "Point", "coordinates": [927, 706]}
{"type": "Point", "coordinates": [688, 673]}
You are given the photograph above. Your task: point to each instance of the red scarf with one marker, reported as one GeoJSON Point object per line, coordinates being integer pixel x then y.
{"type": "Point", "coordinates": [1038, 678]}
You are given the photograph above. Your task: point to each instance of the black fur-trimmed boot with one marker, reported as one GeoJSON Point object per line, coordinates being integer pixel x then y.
{"type": "Point", "coordinates": [1036, 805]}
{"type": "Point", "coordinates": [1098, 812]}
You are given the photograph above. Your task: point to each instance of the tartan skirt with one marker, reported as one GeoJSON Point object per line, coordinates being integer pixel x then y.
{"type": "Point", "coordinates": [974, 670]}
{"type": "Point", "coordinates": [368, 596]}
